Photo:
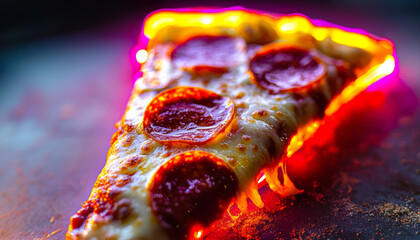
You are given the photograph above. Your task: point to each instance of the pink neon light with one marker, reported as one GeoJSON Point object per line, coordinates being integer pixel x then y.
{"type": "Point", "coordinates": [144, 40]}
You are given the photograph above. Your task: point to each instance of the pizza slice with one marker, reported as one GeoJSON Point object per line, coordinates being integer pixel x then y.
{"type": "Point", "coordinates": [224, 96]}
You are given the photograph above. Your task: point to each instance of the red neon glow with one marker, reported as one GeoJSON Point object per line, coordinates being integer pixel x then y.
{"type": "Point", "coordinates": [197, 232]}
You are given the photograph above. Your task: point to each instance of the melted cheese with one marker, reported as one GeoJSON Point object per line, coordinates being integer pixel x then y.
{"type": "Point", "coordinates": [246, 158]}
{"type": "Point", "coordinates": [253, 143]}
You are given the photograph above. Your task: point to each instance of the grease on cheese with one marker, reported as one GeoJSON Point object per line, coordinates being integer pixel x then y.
{"type": "Point", "coordinates": [254, 141]}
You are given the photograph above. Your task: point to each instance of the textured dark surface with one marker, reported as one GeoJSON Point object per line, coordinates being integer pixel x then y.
{"type": "Point", "coordinates": [365, 161]}
{"type": "Point", "coordinates": [60, 96]}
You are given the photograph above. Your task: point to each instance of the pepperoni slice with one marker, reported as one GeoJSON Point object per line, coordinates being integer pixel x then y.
{"type": "Point", "coordinates": [187, 114]}
{"type": "Point", "coordinates": [287, 68]}
{"type": "Point", "coordinates": [191, 189]}
{"type": "Point", "coordinates": [215, 53]}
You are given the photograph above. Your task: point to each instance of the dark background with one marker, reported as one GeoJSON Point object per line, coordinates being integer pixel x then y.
{"type": "Point", "coordinates": [28, 20]}
{"type": "Point", "coordinates": [65, 78]}
{"type": "Point", "coordinates": [24, 22]}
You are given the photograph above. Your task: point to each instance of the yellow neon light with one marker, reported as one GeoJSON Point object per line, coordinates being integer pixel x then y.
{"type": "Point", "coordinates": [233, 21]}
{"type": "Point", "coordinates": [352, 39]}
{"type": "Point", "coordinates": [361, 83]}
{"type": "Point", "coordinates": [301, 136]}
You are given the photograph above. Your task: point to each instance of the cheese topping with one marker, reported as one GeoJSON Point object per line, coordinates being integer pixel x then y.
{"type": "Point", "coordinates": [239, 114]}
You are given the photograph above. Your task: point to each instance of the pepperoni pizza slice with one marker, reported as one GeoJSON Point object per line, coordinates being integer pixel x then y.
{"type": "Point", "coordinates": [217, 105]}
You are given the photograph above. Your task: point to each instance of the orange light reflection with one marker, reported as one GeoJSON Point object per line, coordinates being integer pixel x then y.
{"type": "Point", "coordinates": [351, 91]}
{"type": "Point", "coordinates": [160, 26]}
{"type": "Point", "coordinates": [197, 232]}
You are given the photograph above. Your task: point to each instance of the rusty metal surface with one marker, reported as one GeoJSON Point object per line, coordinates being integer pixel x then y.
{"type": "Point", "coordinates": [59, 99]}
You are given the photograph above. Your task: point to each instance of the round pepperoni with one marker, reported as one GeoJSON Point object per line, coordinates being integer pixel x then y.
{"type": "Point", "coordinates": [191, 189]}
{"type": "Point", "coordinates": [286, 69]}
{"type": "Point", "coordinates": [210, 52]}
{"type": "Point", "coordinates": [187, 114]}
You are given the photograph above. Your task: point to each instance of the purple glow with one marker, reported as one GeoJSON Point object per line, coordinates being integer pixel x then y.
{"type": "Point", "coordinates": [144, 40]}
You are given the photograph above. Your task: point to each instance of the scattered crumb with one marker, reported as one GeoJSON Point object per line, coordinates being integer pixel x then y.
{"type": "Point", "coordinates": [350, 208]}
{"type": "Point", "coordinates": [53, 233]}
{"type": "Point", "coordinates": [52, 219]}
{"type": "Point", "coordinates": [399, 213]}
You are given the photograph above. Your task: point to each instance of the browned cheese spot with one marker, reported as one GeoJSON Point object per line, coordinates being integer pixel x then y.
{"type": "Point", "coordinates": [241, 147]}
{"type": "Point", "coordinates": [259, 114]}
{"type": "Point", "coordinates": [240, 95]}
{"type": "Point", "coordinates": [232, 161]}
{"type": "Point", "coordinates": [241, 105]}
{"type": "Point", "coordinates": [254, 148]}
{"type": "Point", "coordinates": [251, 120]}
{"type": "Point", "coordinates": [123, 180]}
{"type": "Point", "coordinates": [224, 146]}
{"type": "Point", "coordinates": [133, 161]}
{"type": "Point", "coordinates": [127, 140]}
{"type": "Point", "coordinates": [246, 138]}
{"type": "Point", "coordinates": [146, 147]}
{"type": "Point", "coordinates": [223, 88]}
